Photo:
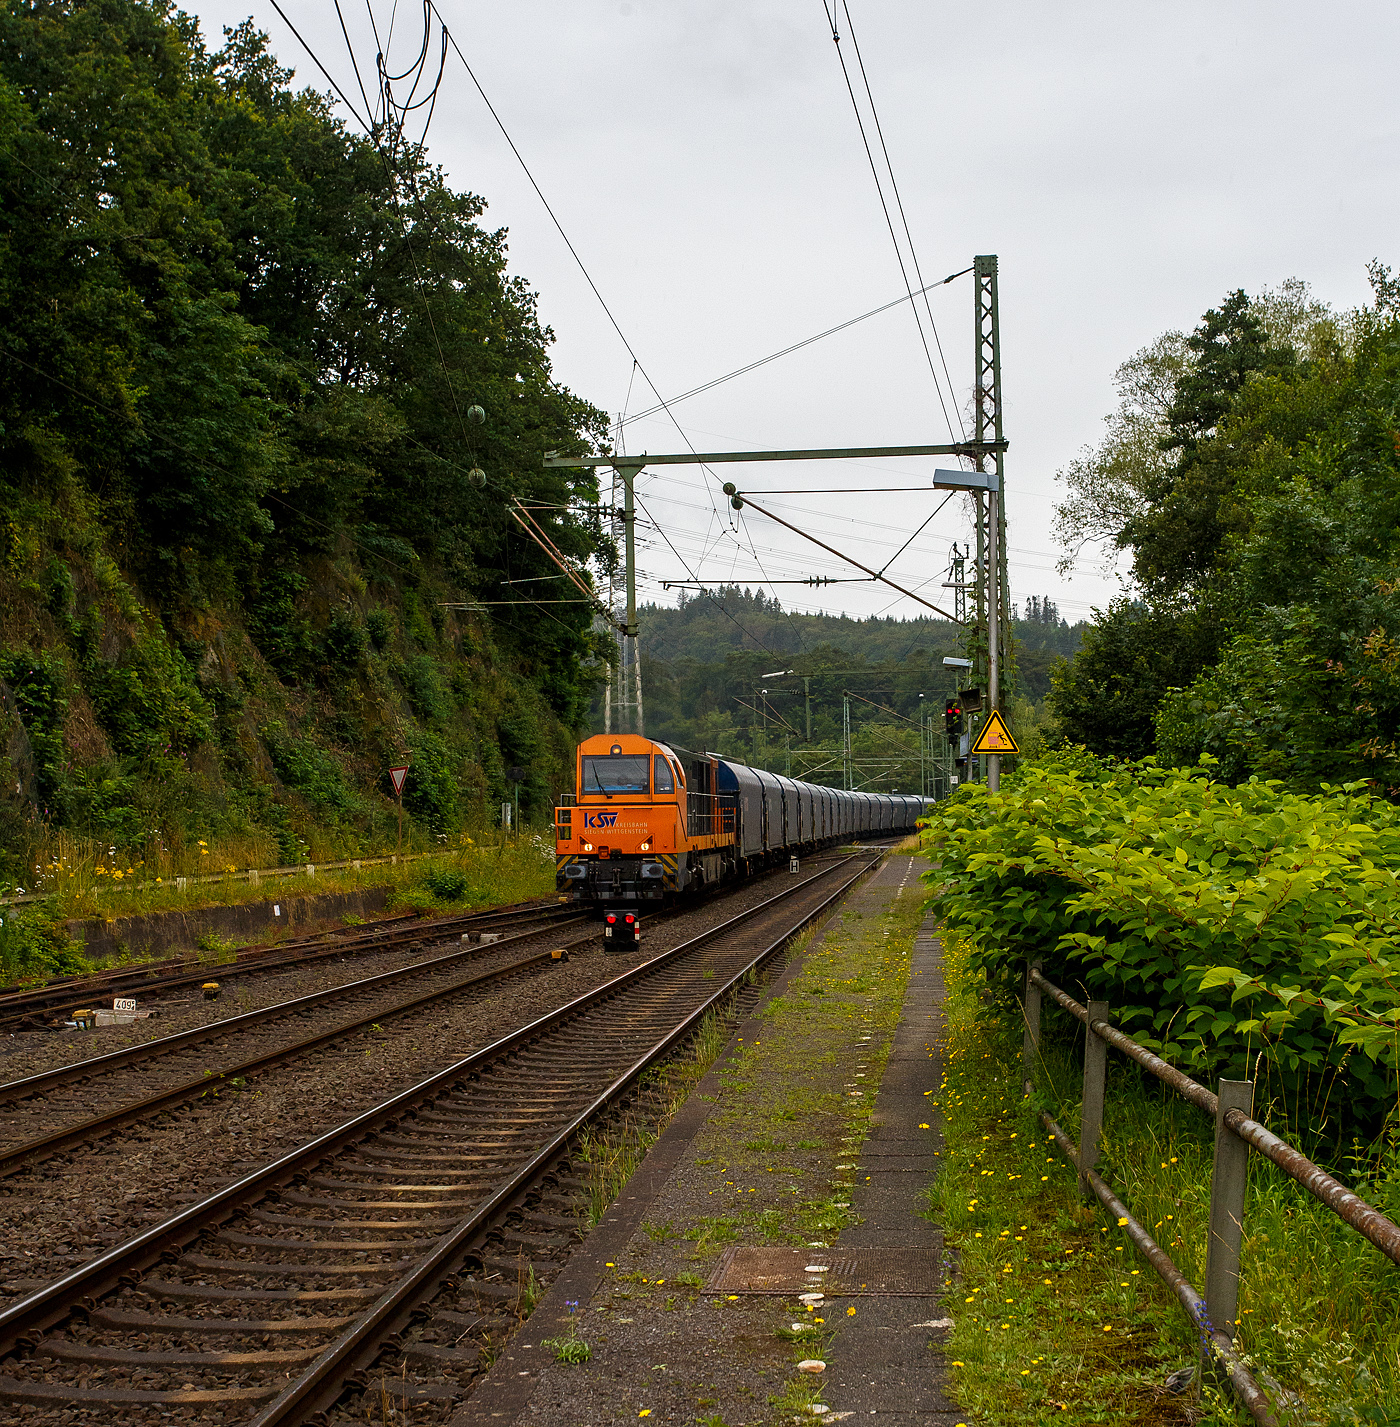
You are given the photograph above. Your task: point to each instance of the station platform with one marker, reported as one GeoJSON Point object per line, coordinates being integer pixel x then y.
{"type": "Point", "coordinates": [800, 1164]}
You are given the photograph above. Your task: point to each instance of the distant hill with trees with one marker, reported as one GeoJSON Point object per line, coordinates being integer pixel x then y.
{"type": "Point", "coordinates": [703, 662]}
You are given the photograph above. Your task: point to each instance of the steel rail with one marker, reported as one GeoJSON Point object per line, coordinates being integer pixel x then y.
{"type": "Point", "coordinates": [82, 1070]}
{"type": "Point", "coordinates": [22, 1155]}
{"type": "Point", "coordinates": [22, 1323]}
{"type": "Point", "coordinates": [49, 999]}
{"type": "Point", "coordinates": [1213, 1339]}
{"type": "Point", "coordinates": [323, 1381]}
{"type": "Point", "coordinates": [1354, 1211]}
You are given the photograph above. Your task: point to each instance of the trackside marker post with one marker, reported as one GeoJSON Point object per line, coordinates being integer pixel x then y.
{"type": "Point", "coordinates": [398, 776]}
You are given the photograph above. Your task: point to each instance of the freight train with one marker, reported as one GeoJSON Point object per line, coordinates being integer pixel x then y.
{"type": "Point", "coordinates": [647, 822]}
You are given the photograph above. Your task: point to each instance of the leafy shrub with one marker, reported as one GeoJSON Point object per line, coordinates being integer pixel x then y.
{"type": "Point", "coordinates": [449, 883]}
{"type": "Point", "coordinates": [31, 945]}
{"type": "Point", "coordinates": [37, 688]}
{"type": "Point", "coordinates": [430, 790]}
{"type": "Point", "coordinates": [313, 772]}
{"type": "Point", "coordinates": [146, 699]}
{"type": "Point", "coordinates": [280, 628]}
{"type": "Point", "coordinates": [291, 847]}
{"type": "Point", "coordinates": [1226, 926]}
{"type": "Point", "coordinates": [380, 624]}
{"type": "Point", "coordinates": [347, 640]}
{"type": "Point", "coordinates": [422, 681]}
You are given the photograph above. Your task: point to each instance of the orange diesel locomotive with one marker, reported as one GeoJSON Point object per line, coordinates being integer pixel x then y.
{"type": "Point", "coordinates": [647, 821]}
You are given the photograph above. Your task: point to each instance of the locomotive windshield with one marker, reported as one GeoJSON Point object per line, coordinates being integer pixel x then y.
{"type": "Point", "coordinates": [616, 773]}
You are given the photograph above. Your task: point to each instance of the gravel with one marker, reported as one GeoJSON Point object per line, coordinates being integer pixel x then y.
{"type": "Point", "coordinates": [65, 1211]}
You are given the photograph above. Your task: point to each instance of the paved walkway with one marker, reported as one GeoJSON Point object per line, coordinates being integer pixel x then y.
{"type": "Point", "coordinates": [665, 1350]}
{"type": "Point", "coordinates": [881, 1364]}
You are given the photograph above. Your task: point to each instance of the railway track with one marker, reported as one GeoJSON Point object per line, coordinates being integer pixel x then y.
{"type": "Point", "coordinates": [87, 1100]}
{"type": "Point", "coordinates": [142, 1080]}
{"type": "Point", "coordinates": [46, 1007]}
{"type": "Point", "coordinates": [414, 1228]}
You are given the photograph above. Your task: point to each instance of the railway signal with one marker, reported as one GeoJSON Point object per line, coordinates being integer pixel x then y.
{"type": "Point", "coordinates": [628, 929]}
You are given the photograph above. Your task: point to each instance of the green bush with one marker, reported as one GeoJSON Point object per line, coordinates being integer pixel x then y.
{"type": "Point", "coordinates": [38, 687]}
{"type": "Point", "coordinates": [449, 883]}
{"type": "Point", "coordinates": [422, 682]}
{"type": "Point", "coordinates": [313, 772]}
{"type": "Point", "coordinates": [1235, 930]}
{"type": "Point", "coordinates": [146, 699]}
{"type": "Point", "coordinates": [347, 640]}
{"type": "Point", "coordinates": [380, 624]}
{"type": "Point", "coordinates": [32, 945]}
{"type": "Point", "coordinates": [430, 790]}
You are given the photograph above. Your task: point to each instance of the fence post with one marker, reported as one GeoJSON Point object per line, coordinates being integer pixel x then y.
{"type": "Point", "coordinates": [1227, 1181]}
{"type": "Point", "coordinates": [1091, 1104]}
{"type": "Point", "coordinates": [1030, 1041]}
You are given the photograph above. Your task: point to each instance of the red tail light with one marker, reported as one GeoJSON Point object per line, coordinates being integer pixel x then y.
{"type": "Point", "coordinates": [612, 917]}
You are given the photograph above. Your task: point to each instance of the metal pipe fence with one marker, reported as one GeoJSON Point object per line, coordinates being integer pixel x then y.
{"type": "Point", "coordinates": [1236, 1131]}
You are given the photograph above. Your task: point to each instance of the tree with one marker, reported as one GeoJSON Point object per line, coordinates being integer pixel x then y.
{"type": "Point", "coordinates": [1108, 485]}
{"type": "Point", "coordinates": [1189, 511]}
{"type": "Point", "coordinates": [237, 349]}
{"type": "Point", "coordinates": [1107, 696]}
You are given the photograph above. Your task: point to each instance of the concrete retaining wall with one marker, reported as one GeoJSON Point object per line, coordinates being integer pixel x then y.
{"type": "Point", "coordinates": [170, 933]}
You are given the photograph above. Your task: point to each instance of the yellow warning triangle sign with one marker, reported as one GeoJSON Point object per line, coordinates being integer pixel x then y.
{"type": "Point", "coordinates": [995, 736]}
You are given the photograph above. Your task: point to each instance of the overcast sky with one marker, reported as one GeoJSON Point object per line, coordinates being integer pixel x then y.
{"type": "Point", "coordinates": [1128, 163]}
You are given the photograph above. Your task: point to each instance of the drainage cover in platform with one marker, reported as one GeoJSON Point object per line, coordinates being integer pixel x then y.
{"type": "Point", "coordinates": [839, 1273]}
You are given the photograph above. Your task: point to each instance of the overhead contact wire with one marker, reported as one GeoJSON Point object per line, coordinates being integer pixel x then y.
{"type": "Point", "coordinates": [889, 222]}
{"type": "Point", "coordinates": [899, 203]}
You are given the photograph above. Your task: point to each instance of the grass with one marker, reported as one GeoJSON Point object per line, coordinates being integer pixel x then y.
{"type": "Point", "coordinates": [612, 1154]}
{"type": "Point", "coordinates": [34, 941]}
{"type": "Point", "coordinates": [569, 1349]}
{"type": "Point", "coordinates": [1057, 1318]}
{"type": "Point", "coordinates": [841, 1010]}
{"type": "Point", "coordinates": [81, 878]}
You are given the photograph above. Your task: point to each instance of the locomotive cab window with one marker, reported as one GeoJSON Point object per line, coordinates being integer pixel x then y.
{"type": "Point", "coordinates": [664, 781]}
{"type": "Point", "coordinates": [616, 773]}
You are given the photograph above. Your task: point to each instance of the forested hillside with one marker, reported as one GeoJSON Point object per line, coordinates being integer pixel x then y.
{"type": "Point", "coordinates": [1253, 472]}
{"type": "Point", "coordinates": [703, 662]}
{"type": "Point", "coordinates": [241, 480]}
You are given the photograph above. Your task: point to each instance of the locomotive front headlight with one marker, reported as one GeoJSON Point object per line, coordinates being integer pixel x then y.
{"type": "Point", "coordinates": [646, 846]}
{"type": "Point", "coordinates": [588, 847]}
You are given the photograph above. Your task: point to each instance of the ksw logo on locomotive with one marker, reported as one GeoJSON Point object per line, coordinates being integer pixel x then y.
{"type": "Point", "coordinates": [599, 819]}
